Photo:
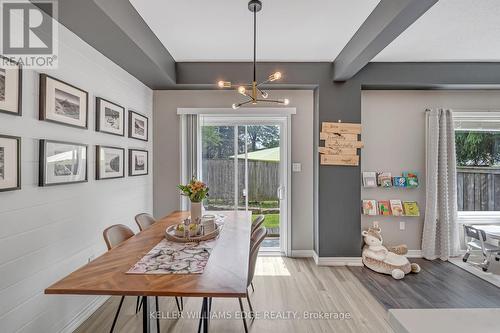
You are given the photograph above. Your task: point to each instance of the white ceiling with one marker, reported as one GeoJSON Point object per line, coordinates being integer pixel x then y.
{"type": "Point", "coordinates": [221, 30]}
{"type": "Point", "coordinates": [452, 30]}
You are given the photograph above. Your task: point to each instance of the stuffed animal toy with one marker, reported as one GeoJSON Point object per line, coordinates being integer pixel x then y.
{"type": "Point", "coordinates": [383, 260]}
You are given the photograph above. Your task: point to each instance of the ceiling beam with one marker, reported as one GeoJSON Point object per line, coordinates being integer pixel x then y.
{"type": "Point", "coordinates": [114, 28]}
{"type": "Point", "coordinates": [386, 22]}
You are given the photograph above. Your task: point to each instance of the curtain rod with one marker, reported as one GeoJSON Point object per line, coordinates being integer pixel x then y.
{"type": "Point", "coordinates": [467, 110]}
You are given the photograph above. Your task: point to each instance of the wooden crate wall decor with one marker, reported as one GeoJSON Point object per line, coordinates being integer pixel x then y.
{"type": "Point", "coordinates": [341, 143]}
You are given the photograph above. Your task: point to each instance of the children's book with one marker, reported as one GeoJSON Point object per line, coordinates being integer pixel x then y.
{"type": "Point", "coordinates": [411, 208]}
{"type": "Point", "coordinates": [369, 179]}
{"type": "Point", "coordinates": [384, 179]}
{"type": "Point", "coordinates": [411, 178]}
{"type": "Point", "coordinates": [384, 208]}
{"type": "Point", "coordinates": [397, 208]}
{"type": "Point", "coordinates": [369, 207]}
{"type": "Point", "coordinates": [399, 182]}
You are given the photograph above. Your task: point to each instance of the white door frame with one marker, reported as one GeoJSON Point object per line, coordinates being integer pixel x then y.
{"type": "Point", "coordinates": [258, 116]}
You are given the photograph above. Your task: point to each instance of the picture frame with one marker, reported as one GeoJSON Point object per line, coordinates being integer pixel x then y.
{"type": "Point", "coordinates": [62, 163]}
{"type": "Point", "coordinates": [138, 162]}
{"type": "Point", "coordinates": [11, 86]}
{"type": "Point", "coordinates": [110, 162]}
{"type": "Point", "coordinates": [138, 126]}
{"type": "Point", "coordinates": [63, 103]}
{"type": "Point", "coordinates": [10, 163]}
{"type": "Point", "coordinates": [110, 117]}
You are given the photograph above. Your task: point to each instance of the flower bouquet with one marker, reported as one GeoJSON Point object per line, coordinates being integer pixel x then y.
{"type": "Point", "coordinates": [196, 191]}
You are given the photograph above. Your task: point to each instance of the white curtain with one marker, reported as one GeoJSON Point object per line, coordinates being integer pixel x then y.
{"type": "Point", "coordinates": [440, 234]}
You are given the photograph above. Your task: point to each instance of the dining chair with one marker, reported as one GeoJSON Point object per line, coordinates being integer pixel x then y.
{"type": "Point", "coordinates": [114, 236]}
{"type": "Point", "coordinates": [257, 222]}
{"type": "Point", "coordinates": [255, 242]}
{"type": "Point", "coordinates": [144, 221]}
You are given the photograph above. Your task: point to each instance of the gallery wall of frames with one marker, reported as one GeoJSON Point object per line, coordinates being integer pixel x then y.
{"type": "Point", "coordinates": [66, 162]}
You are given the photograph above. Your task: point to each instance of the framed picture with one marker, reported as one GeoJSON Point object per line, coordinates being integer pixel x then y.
{"type": "Point", "coordinates": [63, 103]}
{"type": "Point", "coordinates": [137, 162]}
{"type": "Point", "coordinates": [10, 163]}
{"type": "Point", "coordinates": [110, 117]}
{"type": "Point", "coordinates": [110, 162]}
{"type": "Point", "coordinates": [62, 163]}
{"type": "Point", "coordinates": [11, 86]}
{"type": "Point", "coordinates": [137, 126]}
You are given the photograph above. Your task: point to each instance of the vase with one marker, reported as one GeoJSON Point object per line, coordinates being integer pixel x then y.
{"type": "Point", "coordinates": [195, 212]}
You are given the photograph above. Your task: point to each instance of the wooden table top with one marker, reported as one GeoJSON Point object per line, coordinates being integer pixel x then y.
{"type": "Point", "coordinates": [225, 274]}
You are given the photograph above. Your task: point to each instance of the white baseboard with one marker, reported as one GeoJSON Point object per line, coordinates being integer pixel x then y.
{"type": "Point", "coordinates": [84, 314]}
{"type": "Point", "coordinates": [315, 257]}
{"type": "Point", "coordinates": [339, 261]}
{"type": "Point", "coordinates": [414, 254]}
{"type": "Point", "coordinates": [302, 254]}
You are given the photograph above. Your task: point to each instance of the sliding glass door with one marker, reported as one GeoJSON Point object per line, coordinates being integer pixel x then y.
{"type": "Point", "coordinates": [243, 162]}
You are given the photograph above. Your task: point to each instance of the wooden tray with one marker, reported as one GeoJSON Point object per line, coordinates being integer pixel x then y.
{"type": "Point", "coordinates": [170, 235]}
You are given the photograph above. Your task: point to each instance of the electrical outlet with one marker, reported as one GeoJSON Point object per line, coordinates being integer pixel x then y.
{"type": "Point", "coordinates": [92, 257]}
{"type": "Point", "coordinates": [402, 225]}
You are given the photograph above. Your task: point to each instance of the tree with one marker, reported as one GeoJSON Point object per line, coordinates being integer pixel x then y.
{"type": "Point", "coordinates": [217, 141]}
{"type": "Point", "coordinates": [477, 148]}
{"type": "Point", "coordinates": [261, 137]}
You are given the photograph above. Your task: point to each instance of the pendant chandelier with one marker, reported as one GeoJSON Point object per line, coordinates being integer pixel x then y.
{"type": "Point", "coordinates": [252, 91]}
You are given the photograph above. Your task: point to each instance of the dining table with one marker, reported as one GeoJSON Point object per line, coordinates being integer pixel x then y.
{"type": "Point", "coordinates": [225, 274]}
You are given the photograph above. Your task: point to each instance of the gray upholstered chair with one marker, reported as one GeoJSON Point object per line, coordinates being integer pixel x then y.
{"type": "Point", "coordinates": [257, 222]}
{"type": "Point", "coordinates": [256, 240]}
{"type": "Point", "coordinates": [114, 236]}
{"type": "Point", "coordinates": [144, 221]}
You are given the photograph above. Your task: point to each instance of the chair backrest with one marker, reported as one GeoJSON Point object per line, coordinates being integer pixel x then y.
{"type": "Point", "coordinates": [144, 221]}
{"type": "Point", "coordinates": [257, 222]}
{"type": "Point", "coordinates": [256, 240]}
{"type": "Point", "coordinates": [116, 234]}
{"type": "Point", "coordinates": [475, 233]}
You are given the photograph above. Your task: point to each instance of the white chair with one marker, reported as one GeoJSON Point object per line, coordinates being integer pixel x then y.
{"type": "Point", "coordinates": [478, 240]}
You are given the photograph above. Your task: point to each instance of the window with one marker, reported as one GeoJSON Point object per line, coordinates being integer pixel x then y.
{"type": "Point", "coordinates": [477, 141]}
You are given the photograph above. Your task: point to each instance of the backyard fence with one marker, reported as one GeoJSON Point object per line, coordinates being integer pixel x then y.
{"type": "Point", "coordinates": [263, 179]}
{"type": "Point", "coordinates": [478, 189]}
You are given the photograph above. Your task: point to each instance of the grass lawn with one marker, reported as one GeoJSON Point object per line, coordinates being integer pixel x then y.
{"type": "Point", "coordinates": [272, 221]}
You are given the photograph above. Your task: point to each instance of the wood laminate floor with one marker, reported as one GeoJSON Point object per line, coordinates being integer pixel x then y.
{"type": "Point", "coordinates": [282, 284]}
{"type": "Point", "coordinates": [439, 285]}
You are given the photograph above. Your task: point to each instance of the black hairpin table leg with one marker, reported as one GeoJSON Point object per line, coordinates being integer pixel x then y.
{"type": "Point", "coordinates": [146, 325]}
{"type": "Point", "coordinates": [204, 316]}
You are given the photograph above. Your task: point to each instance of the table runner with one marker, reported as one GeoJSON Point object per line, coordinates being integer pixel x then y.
{"type": "Point", "coordinates": [169, 257]}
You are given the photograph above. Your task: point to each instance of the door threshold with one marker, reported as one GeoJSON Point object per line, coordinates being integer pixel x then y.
{"type": "Point", "coordinates": [270, 252]}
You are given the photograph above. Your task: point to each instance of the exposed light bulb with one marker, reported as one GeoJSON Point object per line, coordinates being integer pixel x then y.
{"type": "Point", "coordinates": [242, 90]}
{"type": "Point", "coordinates": [286, 101]}
{"type": "Point", "coordinates": [277, 75]}
{"type": "Point", "coordinates": [224, 84]}
{"type": "Point", "coordinates": [264, 94]}
{"type": "Point", "coordinates": [235, 106]}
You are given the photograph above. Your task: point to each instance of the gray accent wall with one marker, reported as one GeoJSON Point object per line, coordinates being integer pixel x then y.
{"type": "Point", "coordinates": [339, 188]}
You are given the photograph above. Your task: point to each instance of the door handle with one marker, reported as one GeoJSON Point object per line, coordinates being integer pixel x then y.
{"type": "Point", "coordinates": [280, 193]}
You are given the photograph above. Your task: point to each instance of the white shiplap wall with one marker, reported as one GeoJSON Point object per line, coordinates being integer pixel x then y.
{"type": "Point", "coordinates": [46, 233]}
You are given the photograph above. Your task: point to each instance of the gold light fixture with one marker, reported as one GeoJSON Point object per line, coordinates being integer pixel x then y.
{"type": "Point", "coordinates": [252, 91]}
